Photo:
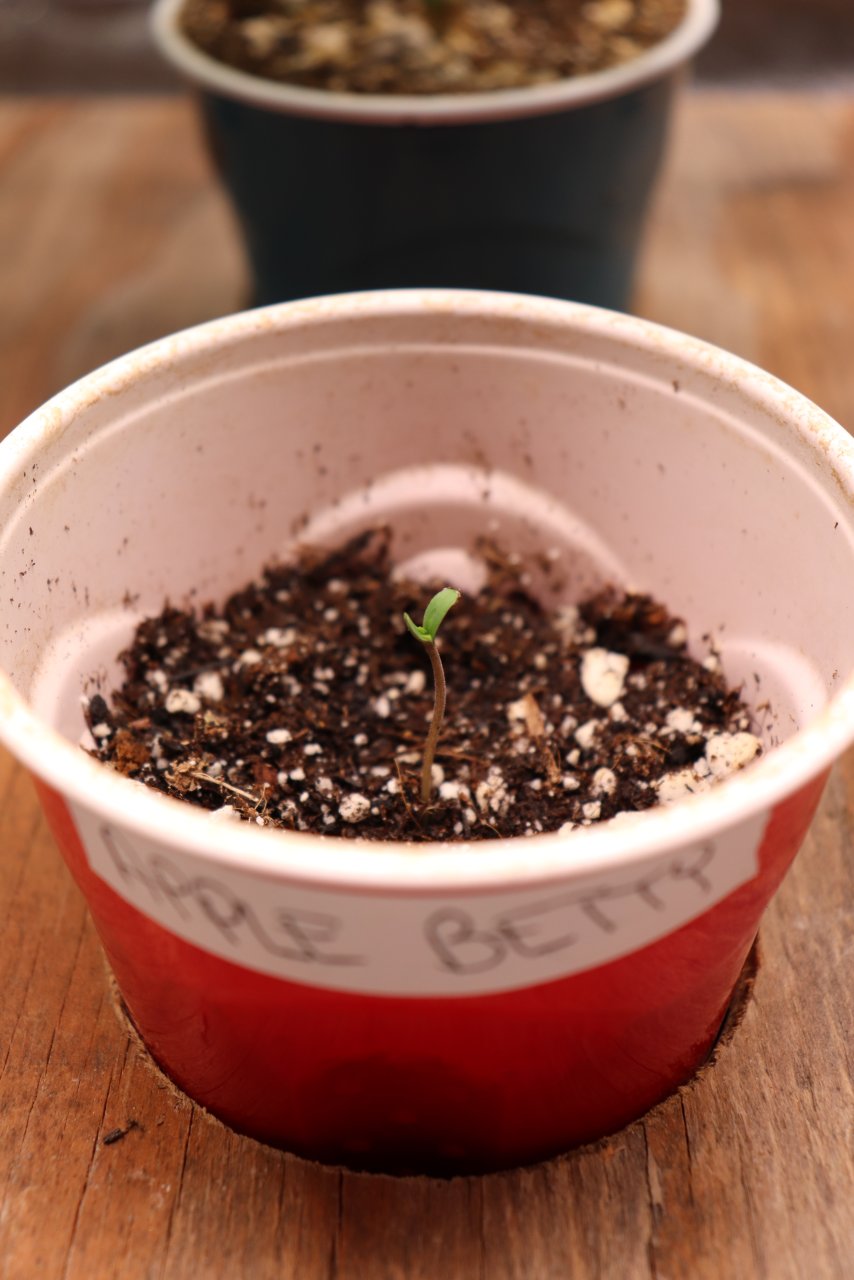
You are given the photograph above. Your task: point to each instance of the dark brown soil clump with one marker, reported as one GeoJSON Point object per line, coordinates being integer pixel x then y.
{"type": "Point", "coordinates": [426, 46]}
{"type": "Point", "coordinates": [304, 704]}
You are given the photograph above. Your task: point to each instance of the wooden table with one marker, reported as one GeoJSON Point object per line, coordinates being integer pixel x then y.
{"type": "Point", "coordinates": [111, 233]}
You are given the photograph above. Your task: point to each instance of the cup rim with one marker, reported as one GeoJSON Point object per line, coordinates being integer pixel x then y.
{"type": "Point", "coordinates": [700, 20]}
{"type": "Point", "coordinates": [366, 865]}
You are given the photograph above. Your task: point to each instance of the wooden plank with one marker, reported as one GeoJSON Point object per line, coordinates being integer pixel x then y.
{"type": "Point", "coordinates": [117, 236]}
{"type": "Point", "coordinates": [749, 242]}
{"type": "Point", "coordinates": [112, 235]}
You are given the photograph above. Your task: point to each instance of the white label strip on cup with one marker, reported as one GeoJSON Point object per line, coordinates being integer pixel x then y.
{"type": "Point", "coordinates": [417, 944]}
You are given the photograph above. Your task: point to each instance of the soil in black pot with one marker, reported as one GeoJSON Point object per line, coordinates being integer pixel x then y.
{"type": "Point", "coordinates": [426, 46]}
{"type": "Point", "coordinates": [304, 704]}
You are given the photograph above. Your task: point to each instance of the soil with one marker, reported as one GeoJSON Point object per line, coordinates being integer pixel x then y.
{"type": "Point", "coordinates": [426, 46]}
{"type": "Point", "coordinates": [304, 703]}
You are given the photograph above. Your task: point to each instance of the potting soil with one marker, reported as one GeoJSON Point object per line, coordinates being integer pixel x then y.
{"type": "Point", "coordinates": [304, 703]}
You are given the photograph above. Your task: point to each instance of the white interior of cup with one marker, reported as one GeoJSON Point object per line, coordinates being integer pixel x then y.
{"type": "Point", "coordinates": [638, 456]}
{"type": "Point", "coordinates": [700, 20]}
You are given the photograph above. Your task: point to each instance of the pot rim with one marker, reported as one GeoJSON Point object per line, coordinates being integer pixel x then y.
{"type": "Point", "coordinates": [466, 865]}
{"type": "Point", "coordinates": [701, 18]}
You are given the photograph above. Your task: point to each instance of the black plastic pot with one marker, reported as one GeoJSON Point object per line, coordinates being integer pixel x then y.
{"type": "Point", "coordinates": [540, 190]}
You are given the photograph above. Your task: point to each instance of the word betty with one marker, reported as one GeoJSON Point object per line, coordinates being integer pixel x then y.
{"type": "Point", "coordinates": [565, 921]}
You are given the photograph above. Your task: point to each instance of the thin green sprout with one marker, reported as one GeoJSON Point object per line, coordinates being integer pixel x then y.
{"type": "Point", "coordinates": [434, 615]}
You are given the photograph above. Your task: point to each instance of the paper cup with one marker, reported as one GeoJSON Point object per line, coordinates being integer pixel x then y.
{"type": "Point", "coordinates": [463, 1006]}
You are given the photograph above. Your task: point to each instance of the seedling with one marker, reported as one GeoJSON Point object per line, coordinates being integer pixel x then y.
{"type": "Point", "coordinates": [434, 616]}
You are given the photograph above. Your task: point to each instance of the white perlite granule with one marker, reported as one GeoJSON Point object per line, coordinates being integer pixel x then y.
{"type": "Point", "coordinates": [227, 813]}
{"type": "Point", "coordinates": [454, 791]}
{"type": "Point", "coordinates": [415, 683]}
{"type": "Point", "coordinates": [182, 702]}
{"type": "Point", "coordinates": [355, 807]}
{"type": "Point", "coordinates": [603, 676]}
{"type": "Point", "coordinates": [680, 720]}
{"type": "Point", "coordinates": [491, 794]}
{"type": "Point", "coordinates": [208, 684]}
{"type": "Point", "coordinates": [584, 736]}
{"type": "Point", "coordinates": [678, 785]}
{"type": "Point", "coordinates": [604, 782]}
{"type": "Point", "coordinates": [278, 736]}
{"type": "Point", "coordinates": [249, 658]}
{"type": "Point", "coordinates": [727, 752]}
{"type": "Point", "coordinates": [278, 637]}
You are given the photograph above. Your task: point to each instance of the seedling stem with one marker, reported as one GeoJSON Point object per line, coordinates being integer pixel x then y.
{"type": "Point", "coordinates": [433, 617]}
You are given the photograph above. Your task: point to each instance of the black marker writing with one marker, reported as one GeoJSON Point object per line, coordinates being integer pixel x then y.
{"type": "Point", "coordinates": [464, 945]}
{"type": "Point", "coordinates": [295, 934]}
{"type": "Point", "coordinates": [460, 946]}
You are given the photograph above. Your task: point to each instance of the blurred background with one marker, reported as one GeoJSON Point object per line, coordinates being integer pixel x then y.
{"type": "Point", "coordinates": [113, 230]}
{"type": "Point", "coordinates": [86, 45]}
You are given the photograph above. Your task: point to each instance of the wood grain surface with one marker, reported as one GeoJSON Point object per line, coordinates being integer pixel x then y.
{"type": "Point", "coordinates": [111, 233]}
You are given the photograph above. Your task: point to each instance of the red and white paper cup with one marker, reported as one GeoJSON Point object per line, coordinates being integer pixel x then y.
{"type": "Point", "coordinates": [441, 1007]}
